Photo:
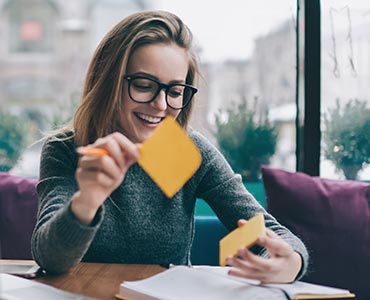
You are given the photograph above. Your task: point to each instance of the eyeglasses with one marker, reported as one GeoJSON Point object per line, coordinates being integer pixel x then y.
{"type": "Point", "coordinates": [142, 89]}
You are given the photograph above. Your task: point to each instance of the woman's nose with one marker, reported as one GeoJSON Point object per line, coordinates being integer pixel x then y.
{"type": "Point", "coordinates": [160, 102]}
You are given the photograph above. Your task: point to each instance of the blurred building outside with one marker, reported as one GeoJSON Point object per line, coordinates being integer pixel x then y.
{"type": "Point", "coordinates": [45, 48]}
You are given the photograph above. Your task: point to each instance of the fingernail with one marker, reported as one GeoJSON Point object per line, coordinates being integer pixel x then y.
{"type": "Point", "coordinates": [261, 240]}
{"type": "Point", "coordinates": [137, 152]}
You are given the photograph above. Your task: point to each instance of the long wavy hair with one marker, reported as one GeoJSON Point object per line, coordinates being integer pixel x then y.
{"type": "Point", "coordinates": [99, 111]}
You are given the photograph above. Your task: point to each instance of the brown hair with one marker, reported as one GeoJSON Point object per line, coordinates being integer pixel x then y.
{"type": "Point", "coordinates": [99, 111]}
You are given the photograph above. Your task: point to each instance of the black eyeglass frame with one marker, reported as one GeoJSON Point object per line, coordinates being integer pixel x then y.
{"type": "Point", "coordinates": [161, 86]}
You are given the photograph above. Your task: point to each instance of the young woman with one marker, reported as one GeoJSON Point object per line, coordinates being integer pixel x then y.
{"type": "Point", "coordinates": [107, 209]}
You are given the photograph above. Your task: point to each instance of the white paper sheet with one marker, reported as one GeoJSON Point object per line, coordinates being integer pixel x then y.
{"type": "Point", "coordinates": [16, 288]}
{"type": "Point", "coordinates": [184, 283]}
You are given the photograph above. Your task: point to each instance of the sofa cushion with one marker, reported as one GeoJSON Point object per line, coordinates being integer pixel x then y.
{"type": "Point", "coordinates": [18, 211]}
{"type": "Point", "coordinates": [332, 218]}
{"type": "Point", "coordinates": [205, 248]}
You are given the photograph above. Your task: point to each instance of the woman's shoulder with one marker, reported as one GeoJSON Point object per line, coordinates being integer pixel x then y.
{"type": "Point", "coordinates": [205, 146]}
{"type": "Point", "coordinates": [61, 136]}
{"type": "Point", "coordinates": [61, 139]}
{"type": "Point", "coordinates": [213, 161]}
{"type": "Point", "coordinates": [199, 139]}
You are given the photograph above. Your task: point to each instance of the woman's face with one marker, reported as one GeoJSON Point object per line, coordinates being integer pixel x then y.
{"type": "Point", "coordinates": [166, 63]}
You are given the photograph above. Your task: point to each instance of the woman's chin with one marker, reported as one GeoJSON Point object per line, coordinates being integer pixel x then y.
{"type": "Point", "coordinates": [143, 135]}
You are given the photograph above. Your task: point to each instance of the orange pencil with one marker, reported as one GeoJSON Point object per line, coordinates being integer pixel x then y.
{"type": "Point", "coordinates": [90, 151]}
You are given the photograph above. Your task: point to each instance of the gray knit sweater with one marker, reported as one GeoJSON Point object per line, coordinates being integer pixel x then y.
{"type": "Point", "coordinates": [137, 223]}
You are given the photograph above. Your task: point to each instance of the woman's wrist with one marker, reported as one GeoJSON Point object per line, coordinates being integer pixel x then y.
{"type": "Point", "coordinates": [298, 262]}
{"type": "Point", "coordinates": [82, 210]}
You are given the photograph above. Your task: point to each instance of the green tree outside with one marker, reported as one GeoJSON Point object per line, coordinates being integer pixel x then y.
{"type": "Point", "coordinates": [347, 137]}
{"type": "Point", "coordinates": [246, 140]}
{"type": "Point", "coordinates": [13, 139]}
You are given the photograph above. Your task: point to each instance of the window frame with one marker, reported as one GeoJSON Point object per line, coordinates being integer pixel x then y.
{"type": "Point", "coordinates": [309, 134]}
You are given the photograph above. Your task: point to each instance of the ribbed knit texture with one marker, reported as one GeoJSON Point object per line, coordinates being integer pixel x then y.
{"type": "Point", "coordinates": [137, 224]}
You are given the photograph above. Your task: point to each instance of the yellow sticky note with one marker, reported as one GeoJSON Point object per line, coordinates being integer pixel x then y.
{"type": "Point", "coordinates": [169, 157]}
{"type": "Point", "coordinates": [242, 237]}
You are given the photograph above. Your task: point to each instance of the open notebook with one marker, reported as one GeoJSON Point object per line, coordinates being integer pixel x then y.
{"type": "Point", "coordinates": [213, 283]}
{"type": "Point", "coordinates": [16, 288]}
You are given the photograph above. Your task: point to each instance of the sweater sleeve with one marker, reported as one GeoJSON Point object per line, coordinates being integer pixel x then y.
{"type": "Point", "coordinates": [226, 194]}
{"type": "Point", "coordinates": [59, 240]}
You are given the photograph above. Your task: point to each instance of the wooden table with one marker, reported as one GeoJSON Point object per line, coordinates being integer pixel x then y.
{"type": "Point", "coordinates": [96, 280]}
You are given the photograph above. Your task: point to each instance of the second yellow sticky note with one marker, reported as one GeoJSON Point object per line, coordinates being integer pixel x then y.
{"type": "Point", "coordinates": [242, 237]}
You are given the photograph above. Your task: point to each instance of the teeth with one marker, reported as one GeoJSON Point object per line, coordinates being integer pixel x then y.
{"type": "Point", "coordinates": [149, 119]}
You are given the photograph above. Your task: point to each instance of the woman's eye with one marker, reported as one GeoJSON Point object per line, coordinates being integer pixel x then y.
{"type": "Point", "coordinates": [142, 85]}
{"type": "Point", "coordinates": [174, 93]}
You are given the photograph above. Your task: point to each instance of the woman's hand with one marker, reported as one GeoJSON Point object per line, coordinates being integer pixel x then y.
{"type": "Point", "coordinates": [282, 266]}
{"type": "Point", "coordinates": [99, 176]}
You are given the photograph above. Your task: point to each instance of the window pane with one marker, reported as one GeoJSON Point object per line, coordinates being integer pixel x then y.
{"type": "Point", "coordinates": [345, 89]}
{"type": "Point", "coordinates": [248, 52]}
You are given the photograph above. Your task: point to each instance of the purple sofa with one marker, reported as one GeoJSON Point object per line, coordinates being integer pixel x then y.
{"type": "Point", "coordinates": [332, 217]}
{"type": "Point", "coordinates": [18, 210]}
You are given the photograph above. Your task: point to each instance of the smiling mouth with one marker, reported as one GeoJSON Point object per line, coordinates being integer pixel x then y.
{"type": "Point", "coordinates": [149, 119]}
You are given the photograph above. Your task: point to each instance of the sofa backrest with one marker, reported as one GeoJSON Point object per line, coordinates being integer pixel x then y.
{"type": "Point", "coordinates": [332, 218]}
{"type": "Point", "coordinates": [205, 249]}
{"type": "Point", "coordinates": [18, 212]}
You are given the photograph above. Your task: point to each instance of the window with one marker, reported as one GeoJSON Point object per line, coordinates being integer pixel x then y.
{"type": "Point", "coordinates": [345, 88]}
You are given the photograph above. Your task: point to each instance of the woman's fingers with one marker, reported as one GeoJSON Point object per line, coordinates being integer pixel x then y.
{"type": "Point", "coordinates": [129, 150]}
{"type": "Point", "coordinates": [126, 145]}
{"type": "Point", "coordinates": [93, 177]}
{"type": "Point", "coordinates": [274, 244]}
{"type": "Point", "coordinates": [245, 272]}
{"type": "Point", "coordinates": [241, 222]}
{"type": "Point", "coordinates": [259, 262]}
{"type": "Point", "coordinates": [246, 258]}
{"type": "Point", "coordinates": [120, 148]}
{"type": "Point", "coordinates": [249, 269]}
{"type": "Point", "coordinates": [96, 165]}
